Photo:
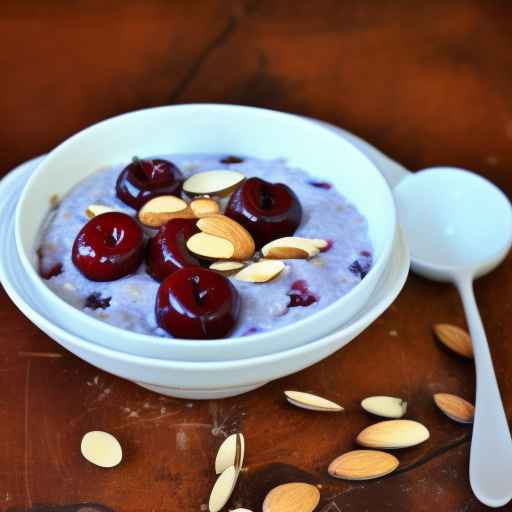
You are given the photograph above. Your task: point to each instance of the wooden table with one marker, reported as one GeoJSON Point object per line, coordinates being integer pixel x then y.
{"type": "Point", "coordinates": [428, 82]}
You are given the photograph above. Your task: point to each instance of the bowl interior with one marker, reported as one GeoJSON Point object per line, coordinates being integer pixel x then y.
{"type": "Point", "coordinates": [210, 129]}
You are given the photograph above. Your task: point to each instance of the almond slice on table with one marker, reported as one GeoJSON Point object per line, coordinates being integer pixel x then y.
{"type": "Point", "coordinates": [161, 209]}
{"type": "Point", "coordinates": [210, 247]}
{"type": "Point", "coordinates": [455, 407]}
{"type": "Point", "coordinates": [455, 339]}
{"type": "Point", "coordinates": [226, 456]}
{"type": "Point", "coordinates": [393, 434]}
{"type": "Point", "coordinates": [311, 402]}
{"type": "Point", "coordinates": [290, 247]}
{"type": "Point", "coordinates": [260, 272]}
{"type": "Point", "coordinates": [101, 448]}
{"type": "Point", "coordinates": [292, 497]}
{"type": "Point", "coordinates": [224, 227]}
{"type": "Point", "coordinates": [363, 465]}
{"type": "Point", "coordinates": [93, 210]}
{"type": "Point", "coordinates": [227, 267]}
{"type": "Point", "coordinates": [223, 489]}
{"type": "Point", "coordinates": [204, 206]}
{"type": "Point", "coordinates": [217, 182]}
{"type": "Point", "coordinates": [385, 406]}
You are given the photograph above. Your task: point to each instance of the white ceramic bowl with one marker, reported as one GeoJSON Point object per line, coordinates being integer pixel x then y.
{"type": "Point", "coordinates": [208, 129]}
{"type": "Point", "coordinates": [178, 378]}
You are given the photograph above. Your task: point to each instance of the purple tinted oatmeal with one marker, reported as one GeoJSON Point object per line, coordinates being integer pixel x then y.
{"type": "Point", "coordinates": [129, 302]}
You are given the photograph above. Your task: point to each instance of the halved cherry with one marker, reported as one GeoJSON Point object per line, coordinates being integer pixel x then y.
{"type": "Point", "coordinates": [167, 250]}
{"type": "Point", "coordinates": [198, 303]}
{"type": "Point", "coordinates": [267, 210]}
{"type": "Point", "coordinates": [144, 179]}
{"type": "Point", "coordinates": [109, 247]}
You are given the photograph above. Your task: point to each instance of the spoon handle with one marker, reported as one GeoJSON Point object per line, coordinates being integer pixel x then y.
{"type": "Point", "coordinates": [490, 464]}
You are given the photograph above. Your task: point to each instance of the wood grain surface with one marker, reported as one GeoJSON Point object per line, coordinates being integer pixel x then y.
{"type": "Point", "coordinates": [428, 82]}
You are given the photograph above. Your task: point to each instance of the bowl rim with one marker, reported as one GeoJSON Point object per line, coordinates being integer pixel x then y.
{"type": "Point", "coordinates": [198, 344]}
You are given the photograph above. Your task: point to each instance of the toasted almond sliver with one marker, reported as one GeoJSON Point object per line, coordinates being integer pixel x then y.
{"type": "Point", "coordinates": [210, 247]}
{"type": "Point", "coordinates": [293, 497]}
{"type": "Point", "coordinates": [222, 489]}
{"type": "Point", "coordinates": [455, 407]}
{"type": "Point", "coordinates": [101, 449]}
{"type": "Point", "coordinates": [311, 402]}
{"type": "Point", "coordinates": [386, 406]}
{"type": "Point", "coordinates": [392, 434]}
{"type": "Point", "coordinates": [290, 247]}
{"type": "Point", "coordinates": [217, 182]}
{"type": "Point", "coordinates": [227, 453]}
{"type": "Point", "coordinates": [227, 267]}
{"type": "Point", "coordinates": [204, 206]}
{"type": "Point", "coordinates": [454, 338]}
{"type": "Point", "coordinates": [261, 272]}
{"type": "Point", "coordinates": [363, 465]}
{"type": "Point", "coordinates": [224, 227]}
{"type": "Point", "coordinates": [93, 210]}
{"type": "Point", "coordinates": [161, 209]}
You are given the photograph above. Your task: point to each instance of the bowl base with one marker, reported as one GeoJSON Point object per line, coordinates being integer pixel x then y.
{"type": "Point", "coordinates": [200, 394]}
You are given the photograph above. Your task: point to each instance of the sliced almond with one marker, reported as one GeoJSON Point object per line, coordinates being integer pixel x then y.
{"type": "Point", "coordinates": [363, 465]}
{"type": "Point", "coordinates": [218, 182]}
{"type": "Point", "coordinates": [204, 206]}
{"type": "Point", "coordinates": [227, 267]}
{"type": "Point", "coordinates": [392, 434]}
{"type": "Point", "coordinates": [311, 402]}
{"type": "Point", "coordinates": [293, 497]}
{"type": "Point", "coordinates": [210, 247]}
{"type": "Point", "coordinates": [224, 227]}
{"type": "Point", "coordinates": [290, 247]}
{"type": "Point", "coordinates": [222, 489]}
{"type": "Point", "coordinates": [226, 456]}
{"type": "Point", "coordinates": [261, 272]}
{"type": "Point", "coordinates": [317, 242]}
{"type": "Point", "coordinates": [101, 449]}
{"type": "Point", "coordinates": [455, 339]}
{"type": "Point", "coordinates": [240, 510]}
{"type": "Point", "coordinates": [455, 407]}
{"type": "Point", "coordinates": [385, 406]}
{"type": "Point", "coordinates": [93, 210]}
{"type": "Point", "coordinates": [161, 209]}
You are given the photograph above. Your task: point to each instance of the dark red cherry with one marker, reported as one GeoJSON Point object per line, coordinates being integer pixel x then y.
{"type": "Point", "coordinates": [167, 250]}
{"type": "Point", "coordinates": [109, 247]}
{"type": "Point", "coordinates": [144, 179]}
{"type": "Point", "coordinates": [195, 302]}
{"type": "Point", "coordinates": [267, 210]}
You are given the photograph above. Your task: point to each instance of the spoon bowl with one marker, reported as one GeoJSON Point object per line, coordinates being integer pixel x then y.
{"type": "Point", "coordinates": [454, 220]}
{"type": "Point", "coordinates": [458, 227]}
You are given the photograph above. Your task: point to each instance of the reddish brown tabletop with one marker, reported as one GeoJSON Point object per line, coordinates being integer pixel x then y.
{"type": "Point", "coordinates": [428, 82]}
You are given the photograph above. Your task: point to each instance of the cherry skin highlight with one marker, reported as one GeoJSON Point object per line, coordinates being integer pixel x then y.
{"type": "Point", "coordinates": [267, 210]}
{"type": "Point", "coordinates": [142, 180]}
{"type": "Point", "coordinates": [108, 247]}
{"type": "Point", "coordinates": [167, 250]}
{"type": "Point", "coordinates": [197, 303]}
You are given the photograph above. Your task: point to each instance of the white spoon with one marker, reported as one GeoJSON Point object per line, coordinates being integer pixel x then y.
{"type": "Point", "coordinates": [459, 227]}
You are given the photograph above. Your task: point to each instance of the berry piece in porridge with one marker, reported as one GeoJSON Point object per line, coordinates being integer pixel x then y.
{"type": "Point", "coordinates": [167, 250]}
{"type": "Point", "coordinates": [267, 210]}
{"type": "Point", "coordinates": [301, 295]}
{"type": "Point", "coordinates": [108, 247]}
{"type": "Point", "coordinates": [142, 180]}
{"type": "Point", "coordinates": [95, 301]}
{"type": "Point", "coordinates": [231, 159]}
{"type": "Point", "coordinates": [195, 302]}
